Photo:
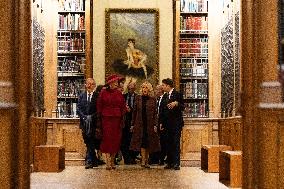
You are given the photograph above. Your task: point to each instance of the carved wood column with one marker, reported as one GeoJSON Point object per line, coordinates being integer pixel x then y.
{"type": "Point", "coordinates": [89, 38]}
{"type": "Point", "coordinates": [15, 85]}
{"type": "Point", "coordinates": [266, 41]}
{"type": "Point", "coordinates": [249, 97]}
{"type": "Point", "coordinates": [176, 38]}
{"type": "Point", "coordinates": [261, 99]}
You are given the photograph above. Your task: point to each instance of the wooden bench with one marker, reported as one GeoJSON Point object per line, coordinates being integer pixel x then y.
{"type": "Point", "coordinates": [210, 157]}
{"type": "Point", "coordinates": [49, 158]}
{"type": "Point", "coordinates": [230, 168]}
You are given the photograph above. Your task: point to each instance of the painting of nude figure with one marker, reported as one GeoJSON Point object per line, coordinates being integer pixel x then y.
{"type": "Point", "coordinates": [132, 45]}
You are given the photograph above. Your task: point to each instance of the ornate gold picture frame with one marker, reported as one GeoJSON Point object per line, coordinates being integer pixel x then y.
{"type": "Point", "coordinates": [132, 44]}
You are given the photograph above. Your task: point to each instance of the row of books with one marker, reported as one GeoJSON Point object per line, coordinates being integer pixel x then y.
{"type": "Point", "coordinates": [193, 6]}
{"type": "Point", "coordinates": [72, 22]}
{"type": "Point", "coordinates": [71, 44]}
{"type": "Point", "coordinates": [196, 109]}
{"type": "Point", "coordinates": [192, 69]}
{"type": "Point", "coordinates": [203, 54]}
{"type": "Point", "coordinates": [194, 40]}
{"type": "Point", "coordinates": [71, 5]}
{"type": "Point", "coordinates": [70, 88]}
{"type": "Point", "coordinates": [194, 61]}
{"type": "Point", "coordinates": [194, 23]}
{"type": "Point", "coordinates": [71, 64]}
{"type": "Point", "coordinates": [193, 50]}
{"type": "Point", "coordinates": [193, 72]}
{"type": "Point", "coordinates": [66, 109]}
{"type": "Point", "coordinates": [195, 90]}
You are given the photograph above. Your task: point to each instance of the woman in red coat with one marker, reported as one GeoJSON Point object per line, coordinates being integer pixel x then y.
{"type": "Point", "coordinates": [144, 124]}
{"type": "Point", "coordinates": [111, 108]}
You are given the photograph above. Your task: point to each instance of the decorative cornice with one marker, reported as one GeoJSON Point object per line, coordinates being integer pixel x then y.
{"type": "Point", "coordinates": [271, 105]}
{"type": "Point", "coordinates": [271, 84]}
{"type": "Point", "coordinates": [5, 105]}
{"type": "Point", "coordinates": [6, 84]}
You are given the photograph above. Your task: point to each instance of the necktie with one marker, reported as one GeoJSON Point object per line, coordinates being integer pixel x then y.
{"type": "Point", "coordinates": [158, 104]}
{"type": "Point", "coordinates": [89, 97]}
{"type": "Point", "coordinates": [130, 100]}
{"type": "Point", "coordinates": [158, 100]}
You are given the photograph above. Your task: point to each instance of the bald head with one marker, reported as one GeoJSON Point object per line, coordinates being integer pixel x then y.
{"type": "Point", "coordinates": [90, 84]}
{"type": "Point", "coordinates": [131, 87]}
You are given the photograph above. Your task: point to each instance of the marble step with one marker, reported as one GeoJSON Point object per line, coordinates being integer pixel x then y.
{"type": "Point", "coordinates": [74, 159]}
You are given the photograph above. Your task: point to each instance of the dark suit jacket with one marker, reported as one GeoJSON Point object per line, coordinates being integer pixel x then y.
{"type": "Point", "coordinates": [172, 118]}
{"type": "Point", "coordinates": [162, 104]}
{"type": "Point", "coordinates": [128, 115]}
{"type": "Point", "coordinates": [84, 109]}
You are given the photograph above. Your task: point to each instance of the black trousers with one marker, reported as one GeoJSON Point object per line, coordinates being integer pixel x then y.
{"type": "Point", "coordinates": [173, 143]}
{"type": "Point", "coordinates": [89, 140]}
{"type": "Point", "coordinates": [128, 155]}
{"type": "Point", "coordinates": [164, 147]}
{"type": "Point", "coordinates": [160, 156]}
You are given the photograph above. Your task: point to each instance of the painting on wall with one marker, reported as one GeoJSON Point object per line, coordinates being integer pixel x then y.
{"type": "Point", "coordinates": [132, 45]}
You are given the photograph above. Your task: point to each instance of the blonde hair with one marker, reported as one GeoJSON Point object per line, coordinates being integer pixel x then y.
{"type": "Point", "coordinates": [149, 86]}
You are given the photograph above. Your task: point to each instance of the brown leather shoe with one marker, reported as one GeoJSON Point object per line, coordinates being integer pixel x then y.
{"type": "Point", "coordinates": [108, 168]}
{"type": "Point", "coordinates": [147, 166]}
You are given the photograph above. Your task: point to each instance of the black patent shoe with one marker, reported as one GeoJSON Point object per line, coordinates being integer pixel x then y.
{"type": "Point", "coordinates": [168, 167]}
{"type": "Point", "coordinates": [101, 162]}
{"type": "Point", "coordinates": [95, 164]}
{"type": "Point", "coordinates": [88, 166]}
{"type": "Point", "coordinates": [176, 167]}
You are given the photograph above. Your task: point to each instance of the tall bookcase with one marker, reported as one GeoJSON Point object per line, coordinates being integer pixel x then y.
{"type": "Point", "coordinates": [71, 56]}
{"type": "Point", "coordinates": [192, 56]}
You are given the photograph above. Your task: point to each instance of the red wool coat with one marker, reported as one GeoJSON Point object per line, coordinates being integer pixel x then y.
{"type": "Point", "coordinates": [111, 106]}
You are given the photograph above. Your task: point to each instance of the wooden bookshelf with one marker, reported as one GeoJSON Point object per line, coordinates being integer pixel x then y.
{"type": "Point", "coordinates": [191, 72]}
{"type": "Point", "coordinates": [191, 76]}
{"type": "Point", "coordinates": [72, 57]}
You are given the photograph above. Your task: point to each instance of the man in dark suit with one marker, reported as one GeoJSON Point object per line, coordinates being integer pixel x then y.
{"type": "Point", "coordinates": [159, 157]}
{"type": "Point", "coordinates": [162, 99]}
{"type": "Point", "coordinates": [128, 155]}
{"type": "Point", "coordinates": [172, 123]}
{"type": "Point", "coordinates": [86, 109]}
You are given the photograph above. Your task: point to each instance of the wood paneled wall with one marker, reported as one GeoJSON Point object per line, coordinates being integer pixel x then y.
{"type": "Point", "coordinates": [38, 134]}
{"type": "Point", "coordinates": [195, 133]}
{"type": "Point", "coordinates": [66, 132]}
{"type": "Point", "coordinates": [15, 92]}
{"type": "Point", "coordinates": [230, 132]}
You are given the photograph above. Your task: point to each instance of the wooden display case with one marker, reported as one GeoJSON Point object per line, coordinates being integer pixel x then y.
{"type": "Point", "coordinates": [66, 132]}
{"type": "Point", "coordinates": [230, 164]}
{"type": "Point", "coordinates": [49, 158]}
{"type": "Point", "coordinates": [196, 133]}
{"type": "Point", "coordinates": [210, 157]}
